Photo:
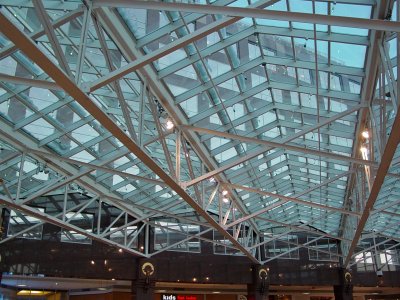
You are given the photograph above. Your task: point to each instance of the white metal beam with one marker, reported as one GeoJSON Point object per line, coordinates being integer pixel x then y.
{"type": "Point", "coordinates": [287, 199]}
{"type": "Point", "coordinates": [297, 195]}
{"type": "Point", "coordinates": [373, 24]}
{"type": "Point", "coordinates": [279, 145]}
{"type": "Point", "coordinates": [30, 82]}
{"type": "Point", "coordinates": [101, 167]}
{"type": "Point", "coordinates": [271, 60]}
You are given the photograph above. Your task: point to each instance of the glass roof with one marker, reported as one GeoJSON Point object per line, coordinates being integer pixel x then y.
{"type": "Point", "coordinates": [269, 111]}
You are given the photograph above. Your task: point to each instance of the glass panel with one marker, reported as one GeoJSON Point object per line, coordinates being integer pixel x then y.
{"type": "Point", "coordinates": [348, 54]}
{"type": "Point", "coordinates": [350, 10]}
{"type": "Point", "coordinates": [223, 245]}
{"type": "Point", "coordinates": [323, 249]}
{"type": "Point", "coordinates": [284, 248]}
{"type": "Point", "coordinates": [175, 237]}
{"type": "Point", "coordinates": [20, 222]}
{"type": "Point", "coordinates": [279, 6]}
{"type": "Point", "coordinates": [81, 220]}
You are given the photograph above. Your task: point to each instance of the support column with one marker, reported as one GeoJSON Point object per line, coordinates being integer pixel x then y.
{"type": "Point", "coordinates": [344, 290]}
{"type": "Point", "coordinates": [259, 288]}
{"type": "Point", "coordinates": [143, 286]}
{"type": "Point", "coordinates": [2, 223]}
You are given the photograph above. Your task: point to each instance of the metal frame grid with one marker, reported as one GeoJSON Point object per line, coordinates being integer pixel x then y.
{"type": "Point", "coordinates": [256, 120]}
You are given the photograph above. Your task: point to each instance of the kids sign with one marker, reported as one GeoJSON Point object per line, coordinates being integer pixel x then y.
{"type": "Point", "coordinates": [178, 297]}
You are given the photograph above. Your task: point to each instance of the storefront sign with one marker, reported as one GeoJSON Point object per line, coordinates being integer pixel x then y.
{"type": "Point", "coordinates": [178, 297]}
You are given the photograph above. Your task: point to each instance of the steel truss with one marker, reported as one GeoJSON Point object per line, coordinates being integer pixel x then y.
{"type": "Point", "coordinates": [142, 174]}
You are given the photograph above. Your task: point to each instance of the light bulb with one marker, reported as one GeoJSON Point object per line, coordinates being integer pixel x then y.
{"type": "Point", "coordinates": [365, 134]}
{"type": "Point", "coordinates": [224, 192]}
{"type": "Point", "coordinates": [225, 200]}
{"type": "Point", "coordinates": [169, 124]}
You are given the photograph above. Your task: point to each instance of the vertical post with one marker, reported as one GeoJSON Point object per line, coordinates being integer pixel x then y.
{"type": "Point", "coordinates": [147, 239]}
{"type": "Point", "coordinates": [259, 288]}
{"type": "Point", "coordinates": [374, 134]}
{"type": "Point", "coordinates": [156, 114]}
{"type": "Point", "coordinates": [178, 155]}
{"type": "Point", "coordinates": [228, 212]}
{"type": "Point", "coordinates": [65, 202]}
{"type": "Point", "coordinates": [141, 114]}
{"type": "Point", "coordinates": [391, 85]}
{"type": "Point", "coordinates": [376, 258]}
{"type": "Point", "coordinates": [99, 217]}
{"type": "Point", "coordinates": [382, 131]}
{"type": "Point", "coordinates": [220, 208]}
{"type": "Point", "coordinates": [371, 142]}
{"type": "Point", "coordinates": [143, 286]}
{"type": "Point", "coordinates": [365, 153]}
{"type": "Point", "coordinates": [2, 233]}
{"type": "Point", "coordinates": [212, 197]}
{"type": "Point", "coordinates": [344, 289]}
{"type": "Point", "coordinates": [203, 189]}
{"type": "Point", "coordinates": [398, 56]}
{"type": "Point", "coordinates": [126, 230]}
{"type": "Point", "coordinates": [383, 125]}
{"type": "Point", "coordinates": [261, 249]}
{"type": "Point", "coordinates": [21, 171]}
{"type": "Point", "coordinates": [82, 45]}
{"type": "Point", "coordinates": [384, 116]}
